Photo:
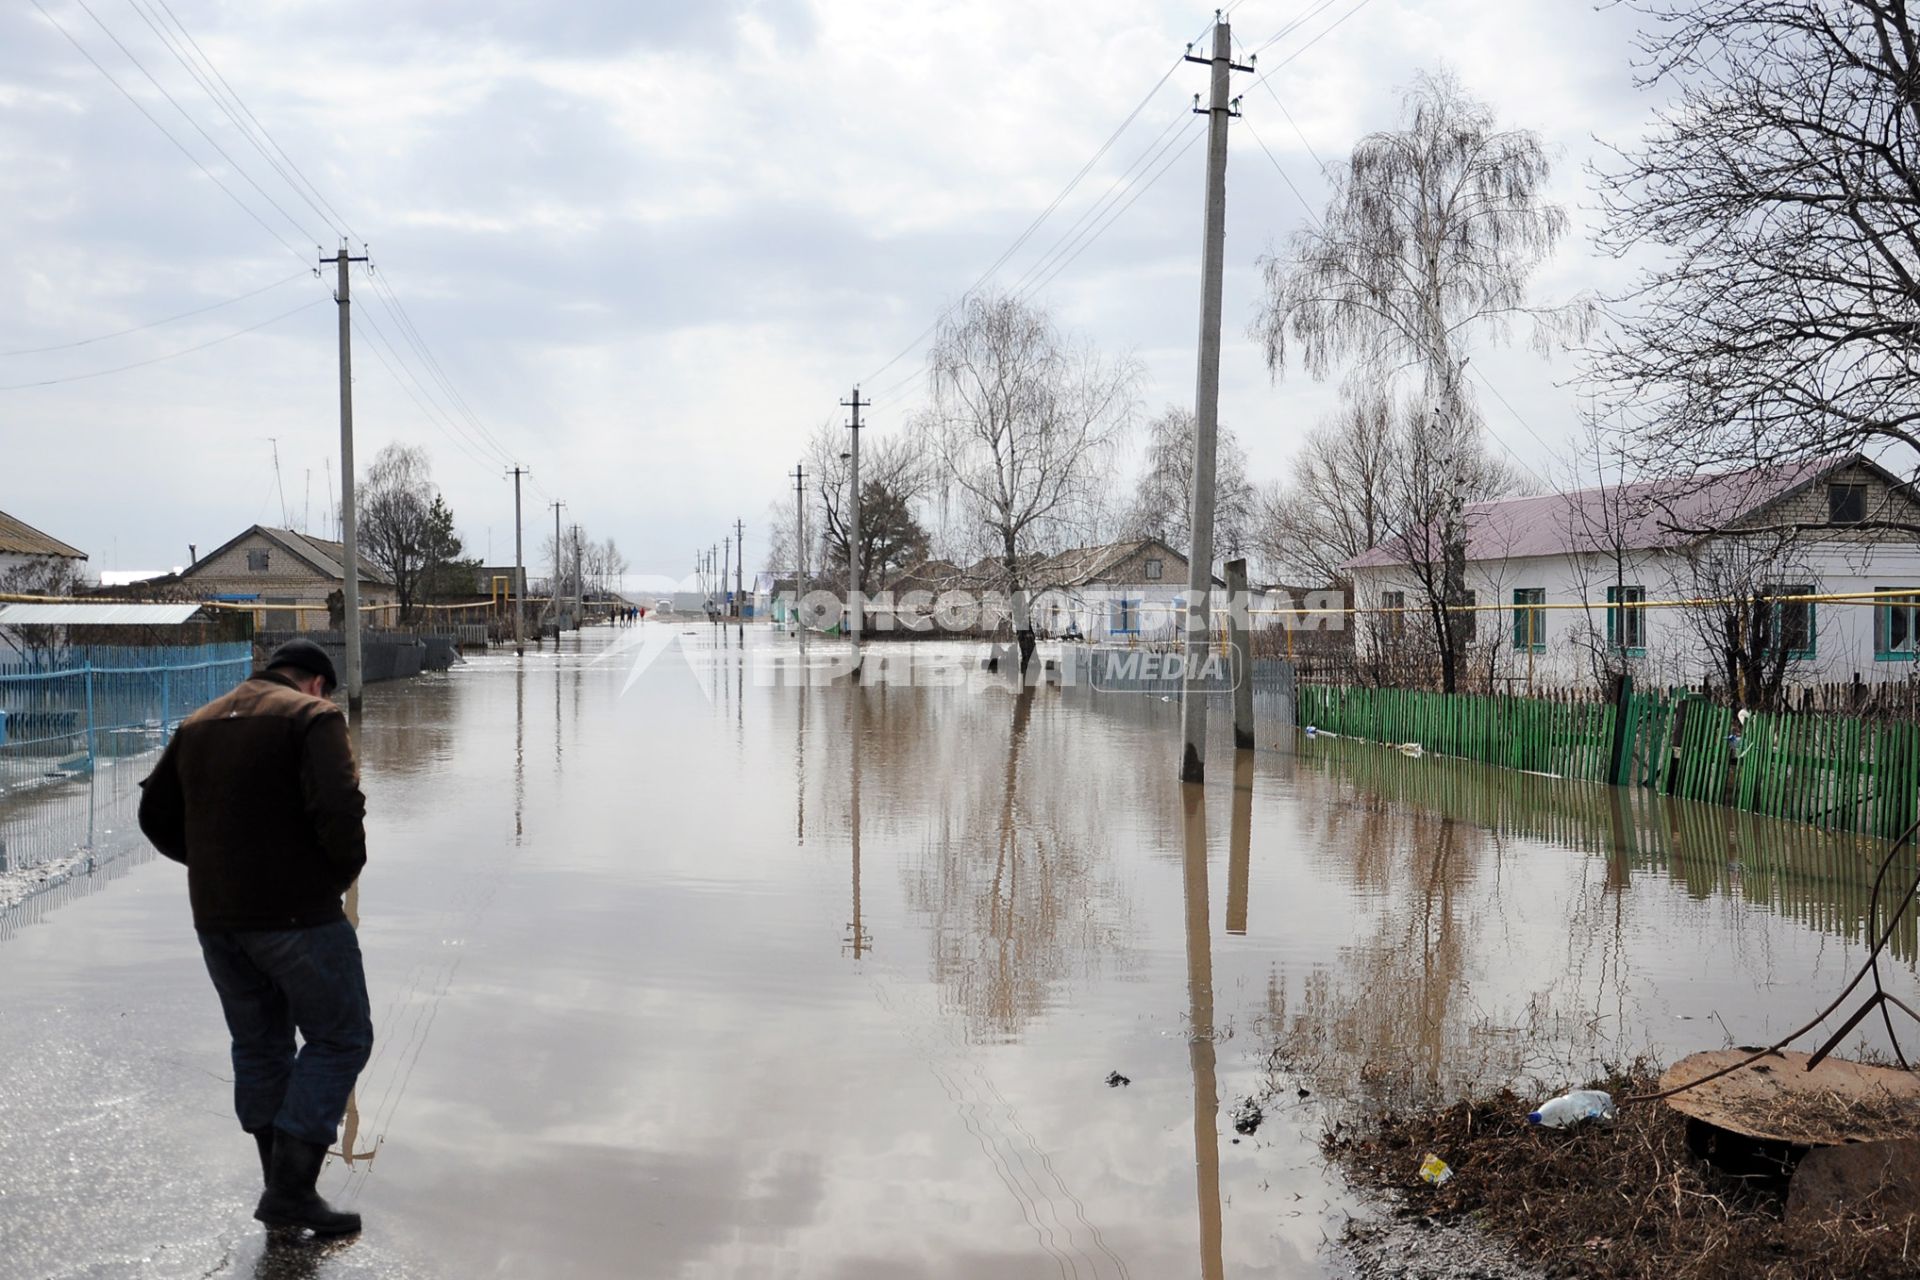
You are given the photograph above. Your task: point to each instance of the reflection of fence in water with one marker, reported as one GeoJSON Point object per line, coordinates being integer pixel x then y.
{"type": "Point", "coordinates": [1822, 879]}
{"type": "Point", "coordinates": [75, 742]}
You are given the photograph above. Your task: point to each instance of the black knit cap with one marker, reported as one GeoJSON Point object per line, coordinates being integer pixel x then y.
{"type": "Point", "coordinates": [308, 657]}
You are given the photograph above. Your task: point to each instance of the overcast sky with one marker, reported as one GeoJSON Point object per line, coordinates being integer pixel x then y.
{"type": "Point", "coordinates": [652, 245]}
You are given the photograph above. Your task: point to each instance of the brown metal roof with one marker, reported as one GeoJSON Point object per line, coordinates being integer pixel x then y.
{"type": "Point", "coordinates": [19, 538]}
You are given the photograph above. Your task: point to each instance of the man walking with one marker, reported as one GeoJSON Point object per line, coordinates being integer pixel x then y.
{"type": "Point", "coordinates": [258, 794]}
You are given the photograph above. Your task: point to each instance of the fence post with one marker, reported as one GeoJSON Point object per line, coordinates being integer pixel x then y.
{"type": "Point", "coordinates": [89, 673]}
{"type": "Point", "coordinates": [1672, 749]}
{"type": "Point", "coordinates": [1238, 621]}
{"type": "Point", "coordinates": [1620, 768]}
{"type": "Point", "coordinates": [166, 703]}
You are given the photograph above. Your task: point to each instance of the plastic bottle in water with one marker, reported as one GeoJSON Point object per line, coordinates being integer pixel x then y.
{"type": "Point", "coordinates": [1571, 1108]}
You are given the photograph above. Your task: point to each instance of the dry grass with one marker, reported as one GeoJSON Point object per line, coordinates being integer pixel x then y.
{"type": "Point", "coordinates": [1620, 1202]}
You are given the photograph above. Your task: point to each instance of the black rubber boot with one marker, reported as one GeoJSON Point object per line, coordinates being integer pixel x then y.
{"type": "Point", "coordinates": [290, 1200]}
{"type": "Point", "coordinates": [263, 1138]}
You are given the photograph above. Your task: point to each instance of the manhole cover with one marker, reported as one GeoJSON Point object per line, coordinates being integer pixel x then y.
{"type": "Point", "coordinates": [1776, 1099]}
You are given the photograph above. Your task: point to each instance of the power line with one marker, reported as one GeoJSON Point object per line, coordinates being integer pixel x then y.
{"type": "Point", "coordinates": [288, 174]}
{"type": "Point", "coordinates": [153, 324]}
{"type": "Point", "coordinates": [1061, 247]}
{"type": "Point", "coordinates": [190, 119]}
{"type": "Point", "coordinates": [441, 419]}
{"type": "Point", "coordinates": [1295, 25]}
{"type": "Point", "coordinates": [1194, 136]}
{"type": "Point", "coordinates": [174, 47]}
{"type": "Point", "coordinates": [1481, 378]}
{"type": "Point", "coordinates": [209, 79]}
{"type": "Point", "coordinates": [404, 320]}
{"type": "Point", "coordinates": [1142, 162]}
{"type": "Point", "coordinates": [1033, 226]}
{"type": "Point", "coordinates": [182, 147]}
{"type": "Point", "coordinates": [171, 355]}
{"type": "Point", "coordinates": [1312, 217]}
{"type": "Point", "coordinates": [1089, 227]}
{"type": "Point", "coordinates": [1327, 31]}
{"type": "Point", "coordinates": [248, 112]}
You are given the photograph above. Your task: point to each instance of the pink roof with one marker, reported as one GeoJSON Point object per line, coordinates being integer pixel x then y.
{"type": "Point", "coordinates": [1636, 517]}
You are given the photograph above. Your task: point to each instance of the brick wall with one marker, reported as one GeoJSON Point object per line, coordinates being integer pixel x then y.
{"type": "Point", "coordinates": [286, 576]}
{"type": "Point", "coordinates": [1809, 506]}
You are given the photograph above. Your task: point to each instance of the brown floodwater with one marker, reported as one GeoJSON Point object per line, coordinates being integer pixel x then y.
{"type": "Point", "coordinates": [679, 975]}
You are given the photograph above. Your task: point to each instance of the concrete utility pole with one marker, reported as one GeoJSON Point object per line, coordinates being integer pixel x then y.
{"type": "Point", "coordinates": [854, 609]}
{"type": "Point", "coordinates": [1206, 410]}
{"type": "Point", "coordinates": [726, 564]}
{"type": "Point", "coordinates": [349, 517]}
{"type": "Point", "coordinates": [519, 572]}
{"type": "Point", "coordinates": [579, 583]}
{"type": "Point", "coordinates": [800, 550]}
{"type": "Point", "coordinates": [718, 594]}
{"type": "Point", "coordinates": [739, 562]}
{"type": "Point", "coordinates": [553, 588]}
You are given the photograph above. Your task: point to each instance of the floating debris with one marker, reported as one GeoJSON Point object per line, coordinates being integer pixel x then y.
{"type": "Point", "coordinates": [1115, 1080]}
{"type": "Point", "coordinates": [1247, 1116]}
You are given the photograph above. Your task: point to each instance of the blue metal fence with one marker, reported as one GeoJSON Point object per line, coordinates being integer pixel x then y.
{"type": "Point", "coordinates": [76, 736]}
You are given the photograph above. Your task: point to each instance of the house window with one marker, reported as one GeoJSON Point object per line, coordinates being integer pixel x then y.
{"type": "Point", "coordinates": [1469, 621]}
{"type": "Point", "coordinates": [1627, 626]}
{"type": "Point", "coordinates": [1529, 624]}
{"type": "Point", "coordinates": [1123, 617]}
{"type": "Point", "coordinates": [1894, 625]}
{"type": "Point", "coordinates": [1391, 602]}
{"type": "Point", "coordinates": [257, 561]}
{"type": "Point", "coordinates": [1155, 567]}
{"type": "Point", "coordinates": [1846, 503]}
{"type": "Point", "coordinates": [1791, 624]}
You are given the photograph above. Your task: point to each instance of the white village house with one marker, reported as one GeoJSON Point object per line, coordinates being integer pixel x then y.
{"type": "Point", "coordinates": [1810, 528]}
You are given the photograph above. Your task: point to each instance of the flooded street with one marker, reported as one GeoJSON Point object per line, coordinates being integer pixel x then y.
{"type": "Point", "coordinates": [678, 975]}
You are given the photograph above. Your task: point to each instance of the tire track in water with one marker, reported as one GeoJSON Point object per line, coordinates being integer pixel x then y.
{"type": "Point", "coordinates": [929, 1022]}
{"type": "Point", "coordinates": [970, 1119]}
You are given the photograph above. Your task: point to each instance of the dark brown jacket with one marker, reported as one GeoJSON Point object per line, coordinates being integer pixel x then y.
{"type": "Point", "coordinates": [259, 795]}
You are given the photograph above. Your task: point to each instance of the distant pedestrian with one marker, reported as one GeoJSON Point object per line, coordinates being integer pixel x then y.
{"type": "Point", "coordinates": [259, 795]}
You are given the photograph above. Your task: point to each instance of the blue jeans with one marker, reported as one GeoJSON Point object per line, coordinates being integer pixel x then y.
{"type": "Point", "coordinates": [272, 981]}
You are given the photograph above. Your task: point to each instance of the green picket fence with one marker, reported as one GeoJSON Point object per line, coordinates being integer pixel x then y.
{"type": "Point", "coordinates": [1840, 773]}
{"type": "Point", "coordinates": [1835, 772]}
{"type": "Point", "coordinates": [1564, 735]}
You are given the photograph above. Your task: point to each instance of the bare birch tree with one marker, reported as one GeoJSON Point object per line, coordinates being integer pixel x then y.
{"type": "Point", "coordinates": [1022, 422]}
{"type": "Point", "coordinates": [1780, 192]}
{"type": "Point", "coordinates": [1429, 240]}
{"type": "Point", "coordinates": [1162, 501]}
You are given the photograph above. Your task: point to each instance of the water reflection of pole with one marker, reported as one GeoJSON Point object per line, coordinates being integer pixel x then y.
{"type": "Point", "coordinates": [1200, 1047]}
{"type": "Point", "coordinates": [1620, 841]}
{"type": "Point", "coordinates": [800, 767]}
{"type": "Point", "coordinates": [857, 939]}
{"type": "Point", "coordinates": [519, 751]}
{"type": "Point", "coordinates": [1240, 843]}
